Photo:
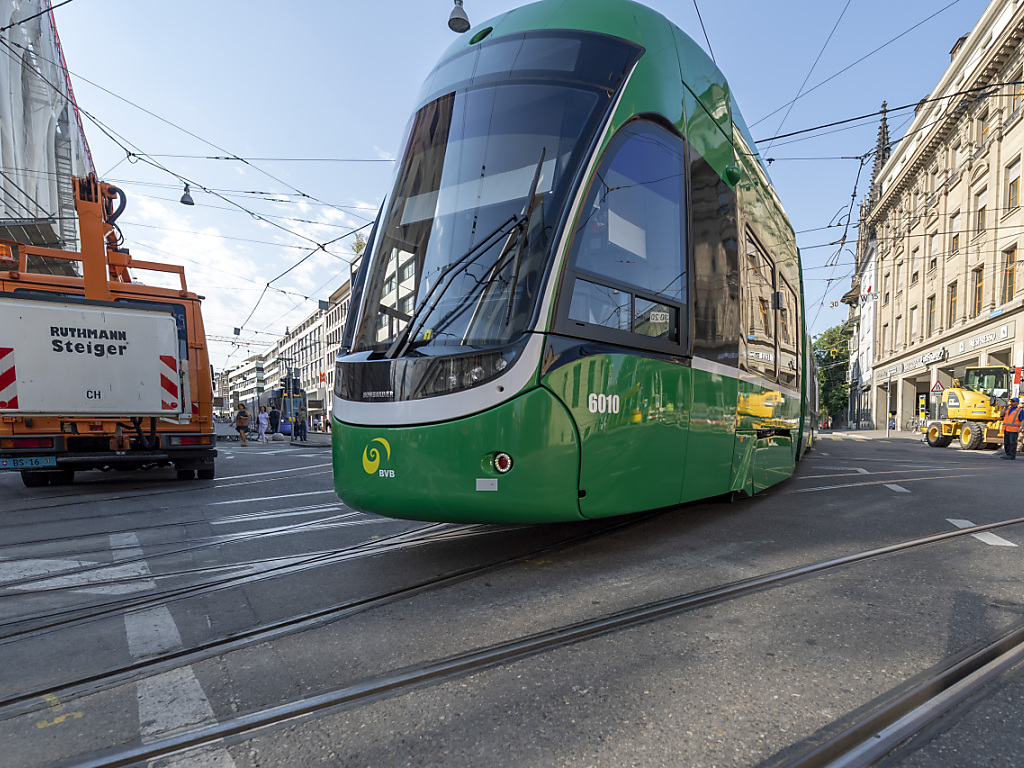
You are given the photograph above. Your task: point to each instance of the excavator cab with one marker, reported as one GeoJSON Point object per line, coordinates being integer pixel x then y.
{"type": "Point", "coordinates": [993, 381]}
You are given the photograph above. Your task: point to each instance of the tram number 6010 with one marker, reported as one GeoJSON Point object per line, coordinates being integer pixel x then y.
{"type": "Point", "coordinates": [603, 403]}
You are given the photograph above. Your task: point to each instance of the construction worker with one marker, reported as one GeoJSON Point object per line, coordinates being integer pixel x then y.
{"type": "Point", "coordinates": [1012, 417]}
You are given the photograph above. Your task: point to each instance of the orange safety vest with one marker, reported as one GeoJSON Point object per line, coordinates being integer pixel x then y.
{"type": "Point", "coordinates": [1011, 420]}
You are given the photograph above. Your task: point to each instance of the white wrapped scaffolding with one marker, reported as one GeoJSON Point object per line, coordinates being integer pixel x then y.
{"type": "Point", "coordinates": [42, 142]}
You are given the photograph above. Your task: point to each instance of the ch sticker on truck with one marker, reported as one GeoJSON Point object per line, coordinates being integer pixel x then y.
{"type": "Point", "coordinates": [8, 379]}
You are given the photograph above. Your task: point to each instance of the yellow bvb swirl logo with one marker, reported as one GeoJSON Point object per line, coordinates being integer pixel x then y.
{"type": "Point", "coordinates": [371, 455]}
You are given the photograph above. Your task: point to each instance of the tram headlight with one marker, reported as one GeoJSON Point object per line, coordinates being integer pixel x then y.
{"type": "Point", "coordinates": [457, 373]}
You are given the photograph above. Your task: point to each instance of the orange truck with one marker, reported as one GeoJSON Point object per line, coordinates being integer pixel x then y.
{"type": "Point", "coordinates": [98, 371]}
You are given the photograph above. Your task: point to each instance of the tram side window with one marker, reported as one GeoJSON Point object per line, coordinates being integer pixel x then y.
{"type": "Point", "coordinates": [787, 334]}
{"type": "Point", "coordinates": [758, 286]}
{"type": "Point", "coordinates": [629, 246]}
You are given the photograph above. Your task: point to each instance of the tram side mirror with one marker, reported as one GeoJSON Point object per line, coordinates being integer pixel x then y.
{"type": "Point", "coordinates": [733, 174]}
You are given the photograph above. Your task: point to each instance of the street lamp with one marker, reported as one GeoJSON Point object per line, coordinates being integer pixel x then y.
{"type": "Point", "coordinates": [458, 21]}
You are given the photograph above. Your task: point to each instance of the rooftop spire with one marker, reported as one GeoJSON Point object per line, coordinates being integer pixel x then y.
{"type": "Point", "coordinates": [882, 152]}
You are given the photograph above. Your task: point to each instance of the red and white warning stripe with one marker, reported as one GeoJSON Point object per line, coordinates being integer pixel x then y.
{"type": "Point", "coordinates": [8, 379]}
{"type": "Point", "coordinates": [169, 382]}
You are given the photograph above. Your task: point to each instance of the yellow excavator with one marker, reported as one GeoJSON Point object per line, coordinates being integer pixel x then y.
{"type": "Point", "coordinates": [971, 409]}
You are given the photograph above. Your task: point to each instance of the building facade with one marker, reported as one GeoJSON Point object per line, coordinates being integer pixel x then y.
{"type": "Point", "coordinates": [301, 351]}
{"type": "Point", "coordinates": [941, 231]}
{"type": "Point", "coordinates": [246, 382]}
{"type": "Point", "coordinates": [334, 330]}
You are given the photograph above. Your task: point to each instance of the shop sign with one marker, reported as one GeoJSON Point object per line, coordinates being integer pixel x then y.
{"type": "Point", "coordinates": [935, 356]}
{"type": "Point", "coordinates": [896, 370]}
{"type": "Point", "coordinates": [1001, 333]}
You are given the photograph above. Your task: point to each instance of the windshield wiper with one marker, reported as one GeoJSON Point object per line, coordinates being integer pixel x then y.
{"type": "Point", "coordinates": [401, 344]}
{"type": "Point", "coordinates": [520, 223]}
{"type": "Point", "coordinates": [524, 224]}
{"type": "Point", "coordinates": [516, 237]}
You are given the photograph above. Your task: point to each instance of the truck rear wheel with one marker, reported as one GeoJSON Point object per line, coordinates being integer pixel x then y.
{"type": "Point", "coordinates": [935, 437]}
{"type": "Point", "coordinates": [185, 474]}
{"type": "Point", "coordinates": [206, 474]}
{"type": "Point", "coordinates": [972, 434]}
{"type": "Point", "coordinates": [35, 479]}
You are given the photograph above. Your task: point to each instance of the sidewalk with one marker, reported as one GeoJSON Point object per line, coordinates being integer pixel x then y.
{"type": "Point", "coordinates": [314, 440]}
{"type": "Point", "coordinates": [872, 434]}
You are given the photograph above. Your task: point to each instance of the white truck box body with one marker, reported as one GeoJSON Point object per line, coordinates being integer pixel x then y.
{"type": "Point", "coordinates": [75, 359]}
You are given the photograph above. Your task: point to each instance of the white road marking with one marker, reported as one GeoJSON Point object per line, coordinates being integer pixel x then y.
{"type": "Point", "coordinates": [897, 488]}
{"type": "Point", "coordinates": [288, 530]}
{"type": "Point", "coordinates": [872, 482]}
{"type": "Point", "coordinates": [128, 577]}
{"type": "Point", "coordinates": [170, 701]}
{"type": "Point", "coordinates": [151, 632]}
{"type": "Point", "coordinates": [271, 472]}
{"type": "Point", "coordinates": [858, 470]}
{"type": "Point", "coordinates": [987, 537]}
{"type": "Point", "coordinates": [234, 519]}
{"type": "Point", "coordinates": [174, 701]}
{"type": "Point", "coordinates": [271, 498]}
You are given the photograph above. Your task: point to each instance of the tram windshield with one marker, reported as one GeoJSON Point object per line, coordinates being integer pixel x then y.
{"type": "Point", "coordinates": [489, 162]}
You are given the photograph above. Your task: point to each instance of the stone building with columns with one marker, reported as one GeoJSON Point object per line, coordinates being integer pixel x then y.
{"type": "Point", "coordinates": [942, 228]}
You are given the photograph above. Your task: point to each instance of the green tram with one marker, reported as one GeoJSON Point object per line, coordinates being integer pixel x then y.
{"type": "Point", "coordinates": [582, 297]}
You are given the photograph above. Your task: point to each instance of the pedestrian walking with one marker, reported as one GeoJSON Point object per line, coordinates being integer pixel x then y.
{"type": "Point", "coordinates": [275, 419]}
{"type": "Point", "coordinates": [1012, 417]}
{"type": "Point", "coordinates": [263, 422]}
{"type": "Point", "coordinates": [302, 428]}
{"type": "Point", "coordinates": [242, 423]}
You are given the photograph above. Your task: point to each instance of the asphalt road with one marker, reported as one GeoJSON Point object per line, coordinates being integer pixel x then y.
{"type": "Point", "coordinates": [135, 608]}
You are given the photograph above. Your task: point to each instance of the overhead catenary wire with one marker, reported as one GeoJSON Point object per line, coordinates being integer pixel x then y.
{"type": "Point", "coordinates": [811, 70]}
{"type": "Point", "coordinates": [231, 158]}
{"type": "Point", "coordinates": [34, 16]}
{"type": "Point", "coordinates": [892, 110]}
{"type": "Point", "coordinates": [280, 159]}
{"type": "Point", "coordinates": [704, 30]}
{"type": "Point", "coordinates": [120, 141]}
{"type": "Point", "coordinates": [858, 61]}
{"type": "Point", "coordinates": [195, 136]}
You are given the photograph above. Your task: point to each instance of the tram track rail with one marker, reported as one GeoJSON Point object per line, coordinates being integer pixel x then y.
{"type": "Point", "coordinates": [233, 519]}
{"type": "Point", "coordinates": [33, 700]}
{"type": "Point", "coordinates": [207, 543]}
{"type": "Point", "coordinates": [502, 653]}
{"type": "Point", "coordinates": [156, 489]}
{"type": "Point", "coordinates": [75, 615]}
{"type": "Point", "coordinates": [896, 719]}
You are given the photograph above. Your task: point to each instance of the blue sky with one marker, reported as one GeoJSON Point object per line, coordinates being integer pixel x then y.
{"type": "Point", "coordinates": [317, 79]}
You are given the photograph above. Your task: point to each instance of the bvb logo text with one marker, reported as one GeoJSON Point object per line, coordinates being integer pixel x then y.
{"type": "Point", "coordinates": [371, 458]}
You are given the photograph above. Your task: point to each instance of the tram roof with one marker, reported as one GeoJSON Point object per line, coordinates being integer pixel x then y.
{"type": "Point", "coordinates": [631, 21]}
